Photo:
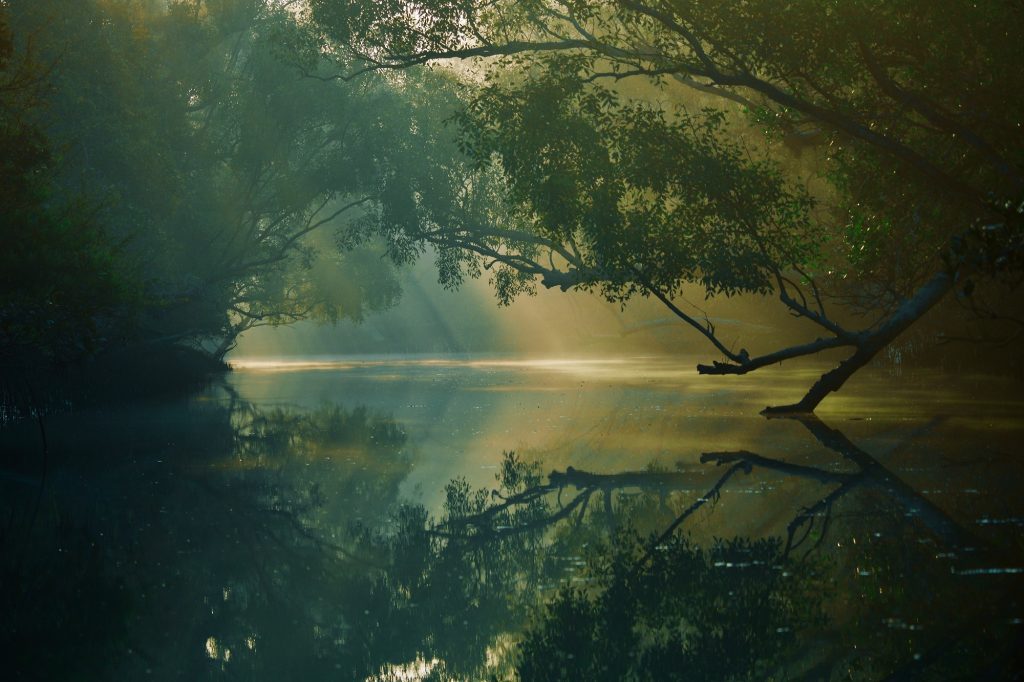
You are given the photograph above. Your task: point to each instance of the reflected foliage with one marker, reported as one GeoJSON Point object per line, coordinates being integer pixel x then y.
{"type": "Point", "coordinates": [883, 584]}
{"type": "Point", "coordinates": [216, 521]}
{"type": "Point", "coordinates": [605, 609]}
{"type": "Point", "coordinates": [450, 596]}
{"type": "Point", "coordinates": [274, 544]}
{"type": "Point", "coordinates": [727, 612]}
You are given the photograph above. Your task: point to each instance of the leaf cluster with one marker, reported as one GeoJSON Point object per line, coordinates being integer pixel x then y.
{"type": "Point", "coordinates": [637, 186]}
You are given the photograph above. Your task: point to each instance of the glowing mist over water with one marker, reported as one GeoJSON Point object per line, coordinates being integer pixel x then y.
{"type": "Point", "coordinates": [432, 321]}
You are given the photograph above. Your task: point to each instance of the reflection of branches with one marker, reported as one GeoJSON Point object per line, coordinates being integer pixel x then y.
{"type": "Point", "coordinates": [877, 476]}
{"type": "Point", "coordinates": [818, 516]}
{"type": "Point", "coordinates": [806, 518]}
{"type": "Point", "coordinates": [586, 483]}
{"type": "Point", "coordinates": [870, 474]}
{"type": "Point", "coordinates": [753, 459]}
{"type": "Point", "coordinates": [712, 494]}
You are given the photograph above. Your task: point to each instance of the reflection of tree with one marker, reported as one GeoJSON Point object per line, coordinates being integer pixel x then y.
{"type": "Point", "coordinates": [724, 612]}
{"type": "Point", "coordinates": [662, 606]}
{"type": "Point", "coordinates": [462, 586]}
{"type": "Point", "coordinates": [449, 595]}
{"type": "Point", "coordinates": [200, 544]}
{"type": "Point", "coordinates": [272, 547]}
{"type": "Point", "coordinates": [870, 474]}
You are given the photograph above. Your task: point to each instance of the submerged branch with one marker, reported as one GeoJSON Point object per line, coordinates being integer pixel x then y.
{"type": "Point", "coordinates": [869, 344]}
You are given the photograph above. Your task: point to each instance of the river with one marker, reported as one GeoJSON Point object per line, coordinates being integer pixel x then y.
{"type": "Point", "coordinates": [318, 518]}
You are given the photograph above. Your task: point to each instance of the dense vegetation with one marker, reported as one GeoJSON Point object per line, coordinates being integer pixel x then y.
{"type": "Point", "coordinates": [177, 173]}
{"type": "Point", "coordinates": [627, 133]}
{"type": "Point", "coordinates": [171, 177]}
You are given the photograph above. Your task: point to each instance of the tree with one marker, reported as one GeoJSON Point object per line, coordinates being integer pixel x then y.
{"type": "Point", "coordinates": [218, 168]}
{"type": "Point", "coordinates": [59, 270]}
{"type": "Point", "coordinates": [910, 104]}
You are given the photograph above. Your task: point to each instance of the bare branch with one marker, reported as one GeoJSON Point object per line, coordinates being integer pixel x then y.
{"type": "Point", "coordinates": [708, 331]}
{"type": "Point", "coordinates": [751, 364]}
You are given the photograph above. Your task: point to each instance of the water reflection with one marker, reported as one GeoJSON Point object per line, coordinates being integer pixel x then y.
{"type": "Point", "coordinates": [184, 541]}
{"type": "Point", "coordinates": [223, 538]}
{"type": "Point", "coordinates": [613, 415]}
{"type": "Point", "coordinates": [888, 586]}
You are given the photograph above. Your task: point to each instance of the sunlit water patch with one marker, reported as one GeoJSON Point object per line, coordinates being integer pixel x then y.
{"type": "Point", "coordinates": [610, 414]}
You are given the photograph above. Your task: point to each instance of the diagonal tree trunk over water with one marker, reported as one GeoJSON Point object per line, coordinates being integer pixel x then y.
{"type": "Point", "coordinates": [870, 344]}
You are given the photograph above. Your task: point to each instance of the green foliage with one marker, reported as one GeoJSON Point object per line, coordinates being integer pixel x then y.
{"type": "Point", "coordinates": [635, 186]}
{"type": "Point", "coordinates": [196, 138]}
{"type": "Point", "coordinates": [910, 108]}
{"type": "Point", "coordinates": [60, 270]}
{"type": "Point", "coordinates": [727, 612]}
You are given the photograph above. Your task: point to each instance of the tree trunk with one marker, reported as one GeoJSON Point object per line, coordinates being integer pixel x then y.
{"type": "Point", "coordinates": [829, 382]}
{"type": "Point", "coordinates": [869, 345]}
{"type": "Point", "coordinates": [225, 347]}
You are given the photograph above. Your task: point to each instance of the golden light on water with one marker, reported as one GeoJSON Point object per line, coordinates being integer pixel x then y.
{"type": "Point", "coordinates": [869, 395]}
{"type": "Point", "coordinates": [569, 365]}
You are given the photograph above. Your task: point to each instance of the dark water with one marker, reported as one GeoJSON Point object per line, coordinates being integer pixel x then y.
{"type": "Point", "coordinates": [362, 520]}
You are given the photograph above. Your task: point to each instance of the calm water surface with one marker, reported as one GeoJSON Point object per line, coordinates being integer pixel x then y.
{"type": "Point", "coordinates": [361, 519]}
